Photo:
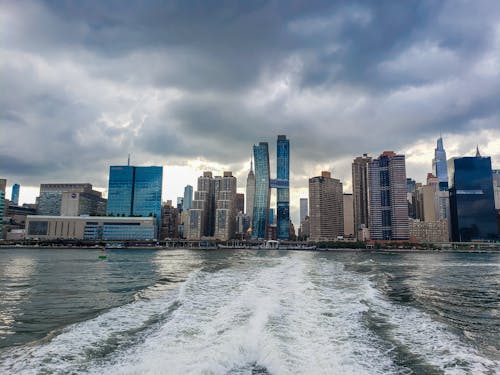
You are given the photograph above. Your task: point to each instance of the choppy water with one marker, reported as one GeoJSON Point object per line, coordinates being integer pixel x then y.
{"type": "Point", "coordinates": [248, 312]}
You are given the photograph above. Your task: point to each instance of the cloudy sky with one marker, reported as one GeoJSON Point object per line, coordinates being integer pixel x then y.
{"type": "Point", "coordinates": [193, 85]}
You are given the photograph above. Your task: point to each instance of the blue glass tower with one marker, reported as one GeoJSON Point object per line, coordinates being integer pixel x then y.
{"type": "Point", "coordinates": [472, 203]}
{"type": "Point", "coordinates": [262, 191]}
{"type": "Point", "coordinates": [283, 193]}
{"type": "Point", "coordinates": [147, 191]}
{"type": "Point", "coordinates": [15, 194]}
{"type": "Point", "coordinates": [135, 191]}
{"type": "Point", "coordinates": [120, 190]}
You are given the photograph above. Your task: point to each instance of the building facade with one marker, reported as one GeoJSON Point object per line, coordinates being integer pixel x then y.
{"type": "Point", "coordinates": [50, 199]}
{"type": "Point", "coordinates": [188, 198]}
{"type": "Point", "coordinates": [240, 202]}
{"type": "Point", "coordinates": [283, 193]}
{"type": "Point", "coordinates": [472, 202]}
{"type": "Point", "coordinates": [304, 209]}
{"type": "Point", "coordinates": [15, 194]}
{"type": "Point", "coordinates": [440, 170]}
{"type": "Point", "coordinates": [429, 231]}
{"type": "Point", "coordinates": [201, 215]}
{"type": "Point", "coordinates": [496, 187]}
{"type": "Point", "coordinates": [360, 193]}
{"type": "Point", "coordinates": [349, 231]}
{"type": "Point", "coordinates": [3, 185]}
{"type": "Point", "coordinates": [135, 191]}
{"type": "Point", "coordinates": [90, 228]}
{"type": "Point", "coordinates": [260, 219]}
{"type": "Point", "coordinates": [250, 192]}
{"type": "Point", "coordinates": [83, 203]}
{"type": "Point", "coordinates": [225, 213]}
{"type": "Point", "coordinates": [169, 221]}
{"type": "Point", "coordinates": [388, 197]}
{"type": "Point", "coordinates": [326, 208]}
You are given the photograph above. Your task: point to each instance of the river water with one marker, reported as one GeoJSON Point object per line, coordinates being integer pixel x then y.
{"type": "Point", "coordinates": [248, 312]}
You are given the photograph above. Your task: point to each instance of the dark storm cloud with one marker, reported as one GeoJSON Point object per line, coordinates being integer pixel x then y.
{"type": "Point", "coordinates": [84, 83]}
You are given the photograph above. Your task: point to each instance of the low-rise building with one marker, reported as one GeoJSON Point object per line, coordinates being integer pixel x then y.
{"type": "Point", "coordinates": [429, 231]}
{"type": "Point", "coordinates": [90, 227]}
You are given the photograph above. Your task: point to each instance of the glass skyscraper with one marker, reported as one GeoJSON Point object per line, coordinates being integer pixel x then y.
{"type": "Point", "coordinates": [135, 191]}
{"type": "Point", "coordinates": [188, 197]}
{"type": "Point", "coordinates": [147, 191]}
{"type": "Point", "coordinates": [262, 191]}
{"type": "Point", "coordinates": [120, 191]}
{"type": "Point", "coordinates": [472, 203]}
{"type": "Point", "coordinates": [15, 194]}
{"type": "Point", "coordinates": [283, 193]}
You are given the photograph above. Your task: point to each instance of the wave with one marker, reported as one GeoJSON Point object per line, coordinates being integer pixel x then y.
{"type": "Point", "coordinates": [294, 314]}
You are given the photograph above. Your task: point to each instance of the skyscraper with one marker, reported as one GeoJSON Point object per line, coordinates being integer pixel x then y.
{"type": "Point", "coordinates": [15, 194]}
{"type": "Point", "coordinates": [200, 218]}
{"type": "Point", "coordinates": [225, 213]}
{"type": "Point", "coordinates": [250, 191]}
{"type": "Point", "coordinates": [472, 203]}
{"type": "Point", "coordinates": [188, 197]}
{"type": "Point", "coordinates": [439, 165]}
{"type": "Point", "coordinates": [360, 193]}
{"type": "Point", "coordinates": [440, 170]}
{"type": "Point", "coordinates": [3, 185]}
{"type": "Point", "coordinates": [135, 191]}
{"type": "Point", "coordinates": [387, 195]}
{"type": "Point", "coordinates": [262, 191]}
{"type": "Point", "coordinates": [283, 193]}
{"type": "Point", "coordinates": [304, 209]}
{"type": "Point", "coordinates": [240, 202]}
{"type": "Point", "coordinates": [326, 208]}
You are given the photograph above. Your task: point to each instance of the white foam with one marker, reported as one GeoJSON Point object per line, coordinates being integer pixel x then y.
{"type": "Point", "coordinates": [273, 316]}
{"type": "Point", "coordinates": [75, 345]}
{"type": "Point", "coordinates": [298, 314]}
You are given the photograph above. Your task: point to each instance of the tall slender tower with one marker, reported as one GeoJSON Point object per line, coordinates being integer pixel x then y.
{"type": "Point", "coordinates": [262, 191]}
{"type": "Point", "coordinates": [360, 193]}
{"type": "Point", "coordinates": [304, 209]}
{"type": "Point", "coordinates": [283, 193]}
{"type": "Point", "coordinates": [188, 197]}
{"type": "Point", "coordinates": [15, 194]}
{"type": "Point", "coordinates": [440, 170]}
{"type": "Point", "coordinates": [3, 185]}
{"type": "Point", "coordinates": [250, 191]}
{"type": "Point", "coordinates": [387, 193]}
{"type": "Point", "coordinates": [439, 165]}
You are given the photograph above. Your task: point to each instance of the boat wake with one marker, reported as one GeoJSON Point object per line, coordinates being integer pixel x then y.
{"type": "Point", "coordinates": [291, 315]}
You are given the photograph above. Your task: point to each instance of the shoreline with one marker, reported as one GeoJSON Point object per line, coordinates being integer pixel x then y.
{"type": "Point", "coordinates": [320, 250]}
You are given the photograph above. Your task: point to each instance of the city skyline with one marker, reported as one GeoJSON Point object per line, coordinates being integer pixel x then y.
{"type": "Point", "coordinates": [294, 205]}
{"type": "Point", "coordinates": [98, 83]}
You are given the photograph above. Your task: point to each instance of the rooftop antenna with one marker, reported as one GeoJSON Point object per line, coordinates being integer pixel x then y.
{"type": "Point", "coordinates": [478, 155]}
{"type": "Point", "coordinates": [128, 160]}
{"type": "Point", "coordinates": [251, 163]}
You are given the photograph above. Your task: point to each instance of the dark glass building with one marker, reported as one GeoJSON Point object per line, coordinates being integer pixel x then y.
{"type": "Point", "coordinates": [120, 190]}
{"type": "Point", "coordinates": [262, 191]}
{"type": "Point", "coordinates": [472, 203]}
{"type": "Point", "coordinates": [283, 194]}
